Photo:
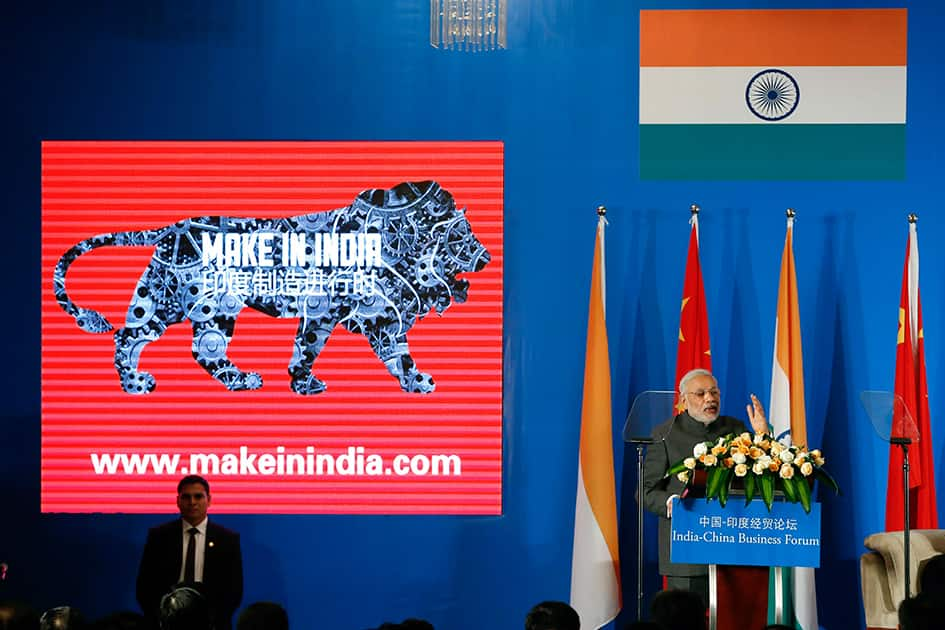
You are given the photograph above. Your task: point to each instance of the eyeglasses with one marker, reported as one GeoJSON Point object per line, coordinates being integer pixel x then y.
{"type": "Point", "coordinates": [701, 393]}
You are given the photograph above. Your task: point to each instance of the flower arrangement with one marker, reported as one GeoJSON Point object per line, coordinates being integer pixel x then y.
{"type": "Point", "coordinates": [761, 462]}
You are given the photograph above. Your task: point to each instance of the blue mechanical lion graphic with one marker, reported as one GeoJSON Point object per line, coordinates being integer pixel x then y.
{"type": "Point", "coordinates": [424, 243]}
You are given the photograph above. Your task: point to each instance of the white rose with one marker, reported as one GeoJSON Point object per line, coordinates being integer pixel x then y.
{"type": "Point", "coordinates": [683, 476]}
{"type": "Point", "coordinates": [689, 463]}
{"type": "Point", "coordinates": [807, 468]}
{"type": "Point", "coordinates": [787, 471]}
{"type": "Point", "coordinates": [786, 456]}
{"type": "Point", "coordinates": [764, 460]}
{"type": "Point", "coordinates": [758, 468]}
{"type": "Point", "coordinates": [741, 470]}
{"type": "Point", "coordinates": [739, 458]}
{"type": "Point", "coordinates": [700, 449]}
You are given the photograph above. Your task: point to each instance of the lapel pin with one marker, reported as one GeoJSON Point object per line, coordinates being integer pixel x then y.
{"type": "Point", "coordinates": [210, 544]}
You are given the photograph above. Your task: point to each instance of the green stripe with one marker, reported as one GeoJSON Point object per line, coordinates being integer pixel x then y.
{"type": "Point", "coordinates": [821, 152]}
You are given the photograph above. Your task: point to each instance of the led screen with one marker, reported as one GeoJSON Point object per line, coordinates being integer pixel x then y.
{"type": "Point", "coordinates": [315, 327]}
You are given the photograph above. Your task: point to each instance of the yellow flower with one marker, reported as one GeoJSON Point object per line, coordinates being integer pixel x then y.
{"type": "Point", "coordinates": [741, 470]}
{"type": "Point", "coordinates": [754, 452]}
{"type": "Point", "coordinates": [718, 450]}
{"type": "Point", "coordinates": [689, 462]}
{"type": "Point", "coordinates": [683, 476]}
{"type": "Point", "coordinates": [806, 469]}
{"type": "Point", "coordinates": [710, 459]}
{"type": "Point", "coordinates": [787, 471]}
{"type": "Point", "coordinates": [775, 465]}
{"type": "Point", "coordinates": [758, 468]}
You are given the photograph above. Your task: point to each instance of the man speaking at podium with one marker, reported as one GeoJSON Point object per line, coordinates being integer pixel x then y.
{"type": "Point", "coordinates": [673, 441]}
{"type": "Point", "coordinates": [192, 550]}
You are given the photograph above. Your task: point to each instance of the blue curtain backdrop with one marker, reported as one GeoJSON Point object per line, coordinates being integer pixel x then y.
{"type": "Point", "coordinates": [563, 98]}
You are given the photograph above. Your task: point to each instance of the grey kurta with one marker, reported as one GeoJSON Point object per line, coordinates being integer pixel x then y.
{"type": "Point", "coordinates": [673, 441]}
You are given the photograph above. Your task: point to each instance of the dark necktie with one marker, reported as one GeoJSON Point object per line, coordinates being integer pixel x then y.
{"type": "Point", "coordinates": [191, 555]}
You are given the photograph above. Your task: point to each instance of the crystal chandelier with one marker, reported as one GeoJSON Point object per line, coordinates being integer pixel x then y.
{"type": "Point", "coordinates": [467, 25]}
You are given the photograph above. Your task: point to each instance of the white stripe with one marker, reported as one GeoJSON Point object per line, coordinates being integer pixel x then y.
{"type": "Point", "coordinates": [779, 410]}
{"type": "Point", "coordinates": [805, 598]}
{"type": "Point", "coordinates": [913, 313]}
{"type": "Point", "coordinates": [601, 224]}
{"type": "Point", "coordinates": [593, 580]}
{"type": "Point", "coordinates": [828, 95]}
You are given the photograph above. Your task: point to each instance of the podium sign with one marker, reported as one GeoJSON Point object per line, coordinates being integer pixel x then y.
{"type": "Point", "coordinates": [704, 532]}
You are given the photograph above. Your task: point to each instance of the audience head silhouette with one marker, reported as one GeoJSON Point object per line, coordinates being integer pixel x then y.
{"type": "Point", "coordinates": [62, 618]}
{"type": "Point", "coordinates": [678, 610]}
{"type": "Point", "coordinates": [263, 616]}
{"type": "Point", "coordinates": [406, 624]}
{"type": "Point", "coordinates": [552, 615]}
{"type": "Point", "coordinates": [17, 616]}
{"type": "Point", "coordinates": [932, 578]}
{"type": "Point", "coordinates": [184, 608]}
{"type": "Point", "coordinates": [925, 611]}
{"type": "Point", "coordinates": [122, 620]}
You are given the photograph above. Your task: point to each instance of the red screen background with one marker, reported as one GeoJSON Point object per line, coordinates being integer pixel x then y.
{"type": "Point", "coordinates": [91, 188]}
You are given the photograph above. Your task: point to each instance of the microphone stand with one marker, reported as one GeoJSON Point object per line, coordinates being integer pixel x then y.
{"type": "Point", "coordinates": [641, 443]}
{"type": "Point", "coordinates": [904, 443]}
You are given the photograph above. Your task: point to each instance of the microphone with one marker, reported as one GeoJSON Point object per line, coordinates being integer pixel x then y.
{"type": "Point", "coordinates": [672, 425]}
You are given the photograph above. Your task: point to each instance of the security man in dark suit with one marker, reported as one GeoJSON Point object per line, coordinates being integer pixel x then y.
{"type": "Point", "coordinates": [192, 550]}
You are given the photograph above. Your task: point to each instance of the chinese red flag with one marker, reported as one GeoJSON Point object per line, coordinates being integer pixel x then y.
{"type": "Point", "coordinates": [693, 349]}
{"type": "Point", "coordinates": [912, 390]}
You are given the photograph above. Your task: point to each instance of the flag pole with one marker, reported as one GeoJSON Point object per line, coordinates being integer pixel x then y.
{"type": "Point", "coordinates": [641, 444]}
{"type": "Point", "coordinates": [903, 443]}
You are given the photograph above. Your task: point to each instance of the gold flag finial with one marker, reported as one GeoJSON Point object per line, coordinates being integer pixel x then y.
{"type": "Point", "coordinates": [694, 209]}
{"type": "Point", "coordinates": [790, 213]}
{"type": "Point", "coordinates": [601, 211]}
{"type": "Point", "coordinates": [913, 217]}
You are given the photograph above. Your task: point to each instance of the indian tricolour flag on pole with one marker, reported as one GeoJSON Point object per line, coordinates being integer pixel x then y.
{"type": "Point", "coordinates": [773, 94]}
{"type": "Point", "coordinates": [789, 420]}
{"type": "Point", "coordinates": [595, 565]}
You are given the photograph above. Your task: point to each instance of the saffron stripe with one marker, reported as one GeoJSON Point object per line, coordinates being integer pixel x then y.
{"type": "Point", "coordinates": [773, 37]}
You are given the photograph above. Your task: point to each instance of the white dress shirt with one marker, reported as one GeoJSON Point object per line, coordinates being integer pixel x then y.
{"type": "Point", "coordinates": [200, 539]}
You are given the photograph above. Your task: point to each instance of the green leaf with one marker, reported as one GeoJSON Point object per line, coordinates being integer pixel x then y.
{"type": "Point", "coordinates": [824, 476]}
{"type": "Point", "coordinates": [767, 489]}
{"type": "Point", "coordinates": [675, 469]}
{"type": "Point", "coordinates": [712, 482]}
{"type": "Point", "coordinates": [790, 492]}
{"type": "Point", "coordinates": [803, 493]}
{"type": "Point", "coordinates": [724, 484]}
{"type": "Point", "coordinates": [749, 487]}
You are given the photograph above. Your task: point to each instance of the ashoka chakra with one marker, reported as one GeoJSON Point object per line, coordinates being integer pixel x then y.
{"type": "Point", "coordinates": [772, 94]}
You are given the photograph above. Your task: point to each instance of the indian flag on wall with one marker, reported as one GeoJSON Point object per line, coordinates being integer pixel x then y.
{"type": "Point", "coordinates": [773, 94]}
